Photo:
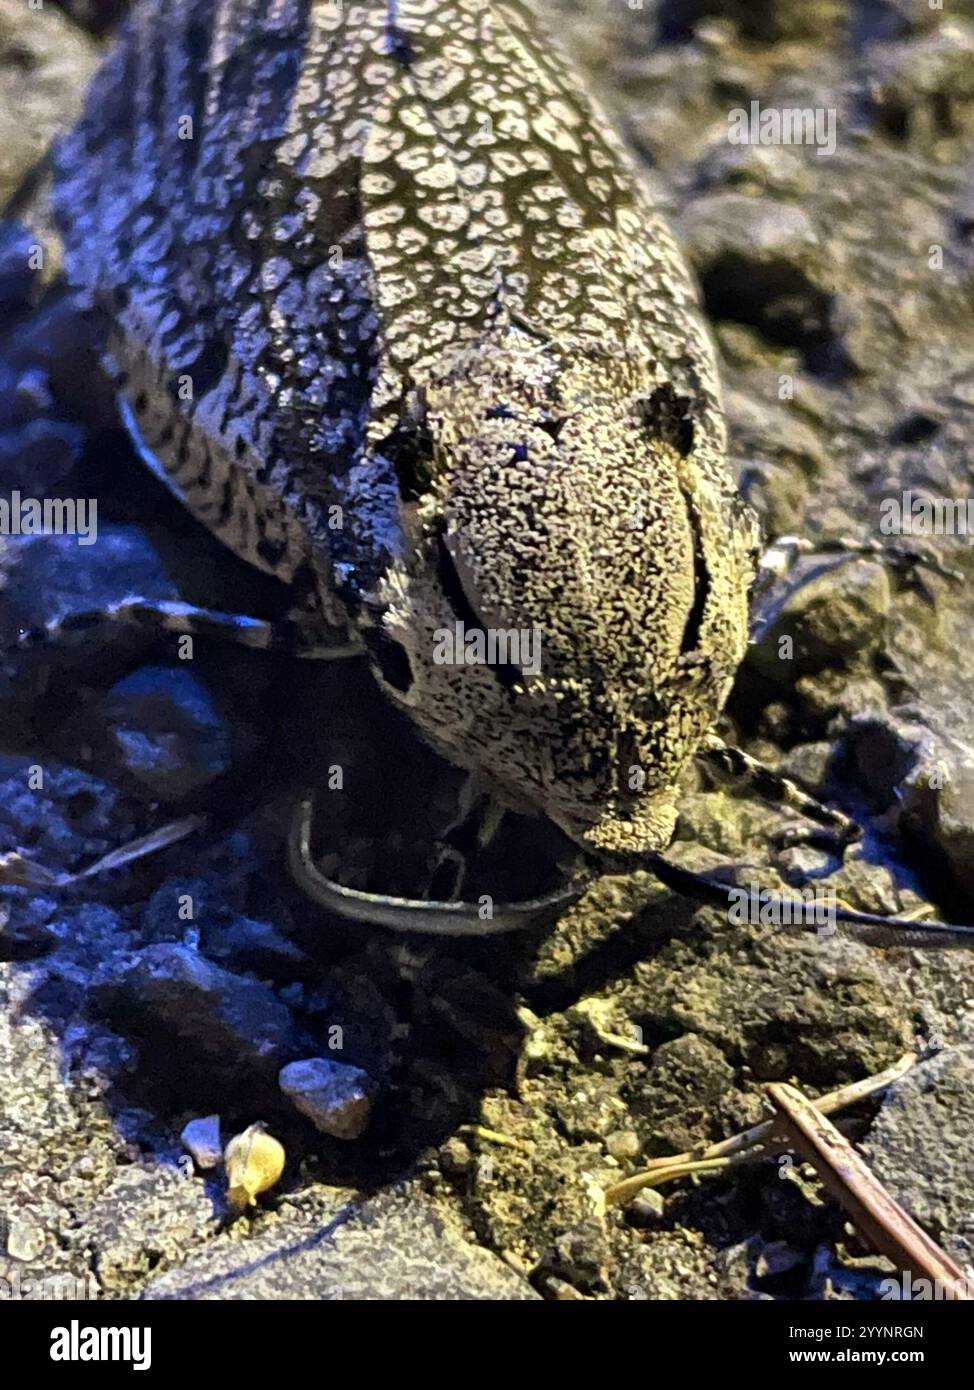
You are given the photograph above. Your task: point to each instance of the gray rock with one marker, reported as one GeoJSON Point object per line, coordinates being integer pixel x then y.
{"type": "Point", "coordinates": [671, 1266]}
{"type": "Point", "coordinates": [398, 1246]}
{"type": "Point", "coordinates": [227, 1023]}
{"type": "Point", "coordinates": [809, 764]}
{"type": "Point", "coordinates": [829, 698]}
{"type": "Point", "coordinates": [922, 90]}
{"type": "Point", "coordinates": [802, 864]}
{"type": "Point", "coordinates": [623, 1145]}
{"type": "Point", "coordinates": [920, 1147]}
{"type": "Point", "coordinates": [580, 1258]}
{"type": "Point", "coordinates": [832, 615]}
{"type": "Point", "coordinates": [59, 816]}
{"type": "Point", "coordinates": [754, 169]}
{"type": "Point", "coordinates": [721, 223]}
{"type": "Point", "coordinates": [784, 1005]}
{"type": "Point", "coordinates": [676, 1093]}
{"type": "Point", "coordinates": [86, 935]}
{"type": "Point", "coordinates": [778, 456]}
{"type": "Point", "coordinates": [208, 911]}
{"type": "Point", "coordinates": [647, 1208]}
{"type": "Point", "coordinates": [773, 431]}
{"type": "Point", "coordinates": [246, 943]}
{"type": "Point", "coordinates": [871, 887]}
{"type": "Point", "coordinates": [202, 1140]}
{"type": "Point", "coordinates": [146, 1217]}
{"type": "Point", "coordinates": [925, 772]}
{"type": "Point", "coordinates": [166, 731]}
{"type": "Point", "coordinates": [181, 906]}
{"type": "Point", "coordinates": [28, 923]}
{"type": "Point", "coordinates": [336, 1098]}
{"type": "Point", "coordinates": [39, 454]}
{"type": "Point", "coordinates": [62, 1152]}
{"type": "Point", "coordinates": [777, 1257]}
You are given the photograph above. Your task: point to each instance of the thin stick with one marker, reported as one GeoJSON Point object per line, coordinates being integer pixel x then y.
{"type": "Point", "coordinates": [25, 873]}
{"type": "Point", "coordinates": [162, 838]}
{"type": "Point", "coordinates": [492, 1136]}
{"type": "Point", "coordinates": [855, 1186]}
{"type": "Point", "coordinates": [686, 1164]}
{"type": "Point", "coordinates": [617, 1040]}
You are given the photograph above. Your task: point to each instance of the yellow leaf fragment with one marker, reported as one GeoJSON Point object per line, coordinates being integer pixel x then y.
{"type": "Point", "coordinates": [254, 1162]}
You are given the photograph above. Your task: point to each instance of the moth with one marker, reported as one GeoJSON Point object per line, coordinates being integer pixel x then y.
{"type": "Point", "coordinates": [389, 308]}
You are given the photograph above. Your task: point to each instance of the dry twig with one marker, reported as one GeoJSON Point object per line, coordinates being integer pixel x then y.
{"type": "Point", "coordinates": [753, 1143]}
{"type": "Point", "coordinates": [855, 1186]}
{"type": "Point", "coordinates": [25, 873]}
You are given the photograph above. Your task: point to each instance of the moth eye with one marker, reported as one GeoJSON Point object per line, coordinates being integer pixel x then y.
{"type": "Point", "coordinates": [409, 448]}
{"type": "Point", "coordinates": [459, 600]}
{"type": "Point", "coordinates": [667, 416]}
{"type": "Point", "coordinates": [391, 659]}
{"type": "Point", "coordinates": [554, 425]}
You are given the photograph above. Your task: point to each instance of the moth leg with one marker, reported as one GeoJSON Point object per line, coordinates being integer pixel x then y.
{"type": "Point", "coordinates": [429, 917]}
{"type": "Point", "coordinates": [291, 637]}
{"type": "Point", "coordinates": [780, 556]}
{"type": "Point", "coordinates": [781, 791]}
{"type": "Point", "coordinates": [478, 819]}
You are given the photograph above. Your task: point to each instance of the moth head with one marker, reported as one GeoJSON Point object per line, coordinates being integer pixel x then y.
{"type": "Point", "coordinates": [568, 625]}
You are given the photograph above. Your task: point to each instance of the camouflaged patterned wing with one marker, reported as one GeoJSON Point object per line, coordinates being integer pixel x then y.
{"type": "Point", "coordinates": [184, 223]}
{"type": "Point", "coordinates": [291, 208]}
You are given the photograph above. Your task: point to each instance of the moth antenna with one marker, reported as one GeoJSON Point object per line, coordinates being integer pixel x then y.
{"type": "Point", "coordinates": [770, 786]}
{"type": "Point", "coordinates": [877, 930]}
{"type": "Point", "coordinates": [411, 914]}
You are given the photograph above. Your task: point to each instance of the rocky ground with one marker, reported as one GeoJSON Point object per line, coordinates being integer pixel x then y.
{"type": "Point", "coordinates": [468, 1106]}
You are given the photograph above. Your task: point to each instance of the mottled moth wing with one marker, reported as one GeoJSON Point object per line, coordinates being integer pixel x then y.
{"type": "Point", "coordinates": [289, 210]}
{"type": "Point", "coordinates": [181, 223]}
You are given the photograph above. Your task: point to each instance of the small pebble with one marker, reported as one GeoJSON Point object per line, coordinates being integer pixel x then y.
{"type": "Point", "coordinates": [25, 1240]}
{"type": "Point", "coordinates": [623, 1144]}
{"type": "Point", "coordinates": [563, 1292]}
{"type": "Point", "coordinates": [647, 1207]}
{"type": "Point", "coordinates": [201, 1138]}
{"type": "Point", "coordinates": [456, 1160]}
{"type": "Point", "coordinates": [336, 1098]}
{"type": "Point", "coordinates": [777, 1257]}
